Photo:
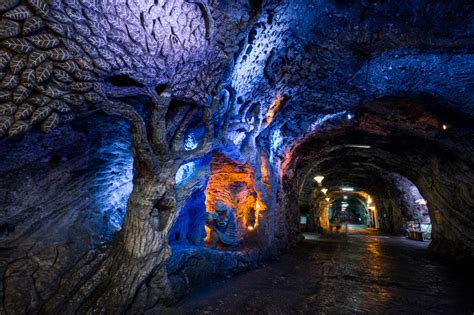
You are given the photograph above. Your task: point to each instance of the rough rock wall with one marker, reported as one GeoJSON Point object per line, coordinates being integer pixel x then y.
{"type": "Point", "coordinates": [403, 202]}
{"type": "Point", "coordinates": [281, 71]}
{"type": "Point", "coordinates": [63, 195]}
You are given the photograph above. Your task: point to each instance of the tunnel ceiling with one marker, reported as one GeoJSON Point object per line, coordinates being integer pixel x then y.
{"type": "Point", "coordinates": [319, 57]}
{"type": "Point", "coordinates": [391, 135]}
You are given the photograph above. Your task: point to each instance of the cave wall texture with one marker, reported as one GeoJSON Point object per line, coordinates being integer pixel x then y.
{"type": "Point", "coordinates": [123, 122]}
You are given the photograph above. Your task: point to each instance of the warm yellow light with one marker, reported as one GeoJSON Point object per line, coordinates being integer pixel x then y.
{"type": "Point", "coordinates": [327, 199]}
{"type": "Point", "coordinates": [250, 228]}
{"type": "Point", "coordinates": [274, 108]}
{"type": "Point", "coordinates": [324, 190]}
{"type": "Point", "coordinates": [369, 200]}
{"type": "Point", "coordinates": [319, 179]}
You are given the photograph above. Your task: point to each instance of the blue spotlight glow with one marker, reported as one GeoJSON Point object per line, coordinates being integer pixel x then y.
{"type": "Point", "coordinates": [185, 172]}
{"type": "Point", "coordinates": [190, 143]}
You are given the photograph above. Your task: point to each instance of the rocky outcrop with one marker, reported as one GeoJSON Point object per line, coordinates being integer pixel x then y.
{"type": "Point", "coordinates": [64, 195]}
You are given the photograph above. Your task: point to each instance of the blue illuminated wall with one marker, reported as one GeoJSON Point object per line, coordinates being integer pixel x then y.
{"type": "Point", "coordinates": [189, 226]}
{"type": "Point", "coordinates": [112, 165]}
{"type": "Point", "coordinates": [113, 185]}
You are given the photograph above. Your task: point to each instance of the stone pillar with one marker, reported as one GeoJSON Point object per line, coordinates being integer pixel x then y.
{"type": "Point", "coordinates": [323, 217]}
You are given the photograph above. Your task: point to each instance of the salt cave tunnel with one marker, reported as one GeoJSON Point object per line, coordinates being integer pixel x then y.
{"type": "Point", "coordinates": [245, 156]}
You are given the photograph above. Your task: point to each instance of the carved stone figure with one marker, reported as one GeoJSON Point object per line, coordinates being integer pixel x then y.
{"type": "Point", "coordinates": [223, 226]}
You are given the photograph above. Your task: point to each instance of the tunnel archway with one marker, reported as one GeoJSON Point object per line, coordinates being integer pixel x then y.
{"type": "Point", "coordinates": [388, 143]}
{"type": "Point", "coordinates": [348, 208]}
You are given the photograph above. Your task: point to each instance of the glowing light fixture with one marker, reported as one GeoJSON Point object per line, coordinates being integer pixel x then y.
{"type": "Point", "coordinates": [274, 108]}
{"type": "Point", "coordinates": [445, 127]}
{"type": "Point", "coordinates": [184, 172]}
{"type": "Point", "coordinates": [349, 116]}
{"type": "Point", "coordinates": [327, 199]}
{"type": "Point", "coordinates": [345, 197]}
{"type": "Point", "coordinates": [347, 189]}
{"type": "Point", "coordinates": [358, 146]}
{"type": "Point", "coordinates": [319, 179]}
{"type": "Point", "coordinates": [190, 142]}
{"type": "Point", "coordinates": [369, 200]}
{"type": "Point", "coordinates": [250, 228]}
{"type": "Point", "coordinates": [324, 190]}
{"type": "Point", "coordinates": [421, 201]}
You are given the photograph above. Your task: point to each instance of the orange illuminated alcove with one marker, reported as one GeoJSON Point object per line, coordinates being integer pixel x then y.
{"type": "Point", "coordinates": [232, 183]}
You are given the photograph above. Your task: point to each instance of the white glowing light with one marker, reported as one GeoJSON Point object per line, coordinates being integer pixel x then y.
{"type": "Point", "coordinates": [324, 190]}
{"type": "Point", "coordinates": [319, 179]}
{"type": "Point", "coordinates": [358, 146]}
{"type": "Point", "coordinates": [345, 197]}
{"type": "Point", "coordinates": [250, 228]}
{"type": "Point", "coordinates": [237, 137]}
{"type": "Point", "coordinates": [349, 116]}
{"type": "Point", "coordinates": [184, 172]}
{"type": "Point", "coordinates": [321, 120]}
{"type": "Point", "coordinates": [421, 201]}
{"type": "Point", "coordinates": [327, 199]}
{"type": "Point", "coordinates": [347, 189]}
{"type": "Point", "coordinates": [276, 142]}
{"type": "Point", "coordinates": [190, 143]}
{"type": "Point", "coordinates": [445, 127]}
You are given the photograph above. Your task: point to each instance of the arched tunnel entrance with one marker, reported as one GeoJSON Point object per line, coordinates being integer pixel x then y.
{"type": "Point", "coordinates": [413, 176]}
{"type": "Point", "coordinates": [348, 209]}
{"type": "Point", "coordinates": [397, 209]}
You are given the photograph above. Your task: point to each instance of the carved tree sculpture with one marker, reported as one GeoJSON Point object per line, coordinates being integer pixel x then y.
{"type": "Point", "coordinates": [54, 58]}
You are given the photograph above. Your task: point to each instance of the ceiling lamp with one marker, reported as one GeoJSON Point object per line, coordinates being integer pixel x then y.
{"type": "Point", "coordinates": [345, 197]}
{"type": "Point", "coordinates": [319, 179]}
{"type": "Point", "coordinates": [324, 190]}
{"type": "Point", "coordinates": [358, 146]}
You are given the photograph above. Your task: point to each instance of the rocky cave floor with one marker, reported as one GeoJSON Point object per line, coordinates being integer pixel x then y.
{"type": "Point", "coordinates": [359, 272]}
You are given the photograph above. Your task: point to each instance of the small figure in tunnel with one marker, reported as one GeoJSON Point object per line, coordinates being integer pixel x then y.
{"type": "Point", "coordinates": [223, 226]}
{"type": "Point", "coordinates": [337, 222]}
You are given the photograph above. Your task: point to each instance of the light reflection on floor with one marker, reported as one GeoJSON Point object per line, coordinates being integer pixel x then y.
{"type": "Point", "coordinates": [344, 273]}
